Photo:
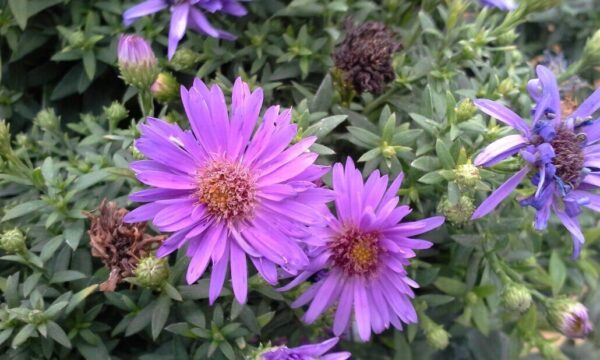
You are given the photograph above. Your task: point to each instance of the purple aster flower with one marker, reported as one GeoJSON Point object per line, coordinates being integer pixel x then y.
{"type": "Point", "coordinates": [506, 5]}
{"type": "Point", "coordinates": [366, 249]}
{"type": "Point", "coordinates": [306, 352]}
{"type": "Point", "coordinates": [186, 13]}
{"type": "Point", "coordinates": [559, 149]}
{"type": "Point", "coordinates": [229, 191]}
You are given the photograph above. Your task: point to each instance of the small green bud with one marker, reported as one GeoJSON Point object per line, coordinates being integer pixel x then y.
{"type": "Point", "coordinates": [76, 39]}
{"type": "Point", "coordinates": [388, 151]}
{"type": "Point", "coordinates": [165, 88]}
{"type": "Point", "coordinates": [36, 317]}
{"type": "Point", "coordinates": [115, 112]}
{"type": "Point", "coordinates": [465, 110]}
{"type": "Point", "coordinates": [47, 120]}
{"type": "Point", "coordinates": [505, 87]}
{"type": "Point", "coordinates": [467, 175]}
{"type": "Point", "coordinates": [22, 140]}
{"type": "Point", "coordinates": [591, 51]}
{"type": "Point", "coordinates": [471, 298]}
{"type": "Point", "coordinates": [13, 241]}
{"type": "Point", "coordinates": [184, 58]}
{"type": "Point", "coordinates": [136, 153]}
{"type": "Point", "coordinates": [152, 272]}
{"type": "Point", "coordinates": [516, 297]}
{"type": "Point", "coordinates": [459, 213]}
{"type": "Point", "coordinates": [437, 337]}
{"type": "Point", "coordinates": [507, 38]}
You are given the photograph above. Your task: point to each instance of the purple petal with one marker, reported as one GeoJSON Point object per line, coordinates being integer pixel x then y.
{"type": "Point", "coordinates": [204, 246]}
{"type": "Point", "coordinates": [317, 350]}
{"type": "Point", "coordinates": [418, 227]}
{"type": "Point", "coordinates": [500, 150]}
{"type": "Point", "coordinates": [239, 273]}
{"type": "Point", "coordinates": [588, 107]}
{"type": "Point", "coordinates": [174, 242]}
{"type": "Point", "coordinates": [327, 293]}
{"type": "Point", "coordinates": [500, 194]}
{"type": "Point", "coordinates": [572, 224]}
{"type": "Point", "coordinates": [201, 24]}
{"type": "Point", "coordinates": [217, 276]}
{"type": "Point", "coordinates": [504, 114]}
{"type": "Point", "coordinates": [179, 19]}
{"type": "Point", "coordinates": [361, 310]}
{"type": "Point", "coordinates": [550, 95]}
{"type": "Point", "coordinates": [145, 8]}
{"type": "Point", "coordinates": [148, 195]}
{"type": "Point", "coordinates": [166, 180]}
{"type": "Point", "coordinates": [344, 310]}
{"type": "Point", "coordinates": [592, 131]}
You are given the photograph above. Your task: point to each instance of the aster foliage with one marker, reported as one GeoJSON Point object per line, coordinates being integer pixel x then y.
{"type": "Point", "coordinates": [276, 174]}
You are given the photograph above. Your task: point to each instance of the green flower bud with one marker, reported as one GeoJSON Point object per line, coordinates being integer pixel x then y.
{"type": "Point", "coordinates": [165, 88]}
{"type": "Point", "coordinates": [137, 62]}
{"type": "Point", "coordinates": [115, 112]}
{"type": "Point", "coordinates": [388, 151]}
{"type": "Point", "coordinates": [516, 297]}
{"type": "Point", "coordinates": [184, 58]}
{"type": "Point", "coordinates": [507, 38]}
{"type": "Point", "coordinates": [13, 241]}
{"type": "Point", "coordinates": [36, 317]}
{"type": "Point", "coordinates": [467, 175]}
{"type": "Point", "coordinates": [136, 153]}
{"type": "Point", "coordinates": [437, 337]}
{"type": "Point", "coordinates": [471, 298]}
{"type": "Point", "coordinates": [465, 110]}
{"type": "Point", "coordinates": [591, 51]}
{"type": "Point", "coordinates": [47, 120]}
{"type": "Point", "coordinates": [459, 213]}
{"type": "Point", "coordinates": [76, 39]}
{"type": "Point", "coordinates": [505, 87]}
{"type": "Point", "coordinates": [152, 272]}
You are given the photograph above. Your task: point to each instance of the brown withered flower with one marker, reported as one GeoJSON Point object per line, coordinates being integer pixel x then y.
{"type": "Point", "coordinates": [365, 56]}
{"type": "Point", "coordinates": [119, 245]}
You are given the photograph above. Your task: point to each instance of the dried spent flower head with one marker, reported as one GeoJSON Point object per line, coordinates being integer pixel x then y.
{"type": "Point", "coordinates": [365, 56]}
{"type": "Point", "coordinates": [119, 245]}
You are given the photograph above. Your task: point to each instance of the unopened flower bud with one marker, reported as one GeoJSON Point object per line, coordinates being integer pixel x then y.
{"type": "Point", "coordinates": [388, 151]}
{"type": "Point", "coordinates": [76, 39]}
{"type": "Point", "coordinates": [47, 120]}
{"type": "Point", "coordinates": [136, 153]}
{"type": "Point", "coordinates": [507, 38]}
{"type": "Point", "coordinates": [471, 298]}
{"type": "Point", "coordinates": [569, 317]}
{"type": "Point", "coordinates": [437, 337]}
{"type": "Point", "coordinates": [516, 297]}
{"type": "Point", "coordinates": [591, 51]}
{"type": "Point", "coordinates": [152, 272]}
{"type": "Point", "coordinates": [165, 87]}
{"type": "Point", "coordinates": [184, 58]}
{"type": "Point", "coordinates": [5, 147]}
{"type": "Point", "coordinates": [465, 110]}
{"type": "Point", "coordinates": [115, 112]}
{"type": "Point", "coordinates": [467, 175]}
{"type": "Point", "coordinates": [505, 87]}
{"type": "Point", "coordinates": [13, 241]}
{"type": "Point", "coordinates": [459, 213]}
{"type": "Point", "coordinates": [137, 62]}
{"type": "Point", "coordinates": [36, 317]}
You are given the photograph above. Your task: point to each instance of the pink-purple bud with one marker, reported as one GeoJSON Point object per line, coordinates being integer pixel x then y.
{"type": "Point", "coordinates": [137, 61]}
{"type": "Point", "coordinates": [570, 318]}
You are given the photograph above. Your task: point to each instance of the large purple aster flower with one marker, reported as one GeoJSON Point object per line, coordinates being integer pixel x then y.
{"type": "Point", "coordinates": [559, 149]}
{"type": "Point", "coordinates": [365, 248]}
{"type": "Point", "coordinates": [306, 352]}
{"type": "Point", "coordinates": [506, 5]}
{"type": "Point", "coordinates": [227, 191]}
{"type": "Point", "coordinates": [184, 13]}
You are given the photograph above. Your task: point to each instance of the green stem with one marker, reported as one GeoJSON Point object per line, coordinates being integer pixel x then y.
{"type": "Point", "coordinates": [146, 103]}
{"type": "Point", "coordinates": [379, 101]}
{"type": "Point", "coordinates": [571, 71]}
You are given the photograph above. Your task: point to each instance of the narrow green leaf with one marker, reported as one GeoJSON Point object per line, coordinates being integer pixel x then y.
{"type": "Point", "coordinates": [160, 315]}
{"type": "Point", "coordinates": [23, 209]}
{"type": "Point", "coordinates": [19, 10]}
{"type": "Point", "coordinates": [450, 286]}
{"type": "Point", "coordinates": [558, 272]}
{"type": "Point", "coordinates": [89, 64]}
{"type": "Point", "coordinates": [22, 336]}
{"type": "Point", "coordinates": [443, 153]}
{"type": "Point", "coordinates": [57, 333]}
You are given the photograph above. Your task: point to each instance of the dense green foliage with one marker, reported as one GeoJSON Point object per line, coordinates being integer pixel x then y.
{"type": "Point", "coordinates": [73, 121]}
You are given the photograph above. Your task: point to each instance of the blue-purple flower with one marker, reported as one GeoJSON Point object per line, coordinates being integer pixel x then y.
{"type": "Point", "coordinates": [228, 191]}
{"type": "Point", "coordinates": [506, 5]}
{"type": "Point", "coordinates": [365, 249]}
{"type": "Point", "coordinates": [186, 13]}
{"type": "Point", "coordinates": [560, 151]}
{"type": "Point", "coordinates": [306, 352]}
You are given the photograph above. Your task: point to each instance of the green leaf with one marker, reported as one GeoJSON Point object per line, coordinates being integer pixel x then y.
{"type": "Point", "coordinates": [426, 163]}
{"type": "Point", "coordinates": [79, 297]}
{"type": "Point", "coordinates": [90, 179]}
{"type": "Point", "coordinates": [58, 335]}
{"type": "Point", "coordinates": [141, 320]}
{"type": "Point", "coordinates": [160, 315]}
{"type": "Point", "coordinates": [19, 10]}
{"type": "Point", "coordinates": [23, 209]}
{"type": "Point", "coordinates": [443, 153]}
{"type": "Point", "coordinates": [89, 63]}
{"type": "Point", "coordinates": [54, 309]}
{"type": "Point", "coordinates": [5, 334]}
{"type": "Point", "coordinates": [11, 293]}
{"type": "Point", "coordinates": [365, 138]}
{"type": "Point", "coordinates": [172, 292]}
{"type": "Point", "coordinates": [370, 155]}
{"type": "Point", "coordinates": [431, 178]}
{"type": "Point", "coordinates": [22, 336]}
{"type": "Point", "coordinates": [481, 317]}
{"type": "Point", "coordinates": [73, 234]}
{"type": "Point", "coordinates": [322, 99]}
{"type": "Point", "coordinates": [324, 126]}
{"type": "Point", "coordinates": [66, 276]}
{"type": "Point", "coordinates": [558, 272]}
{"type": "Point", "coordinates": [227, 350]}
{"type": "Point", "coordinates": [450, 286]}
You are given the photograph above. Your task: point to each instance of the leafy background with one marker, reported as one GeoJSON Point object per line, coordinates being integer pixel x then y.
{"type": "Point", "coordinates": [71, 149]}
